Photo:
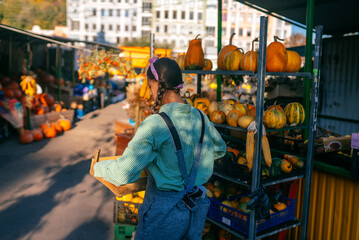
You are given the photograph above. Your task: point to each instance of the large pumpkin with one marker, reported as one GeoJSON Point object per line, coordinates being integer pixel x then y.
{"type": "Point", "coordinates": [243, 110]}
{"type": "Point", "coordinates": [224, 51]}
{"type": "Point", "coordinates": [232, 118]}
{"type": "Point", "coordinates": [276, 60]}
{"type": "Point", "coordinates": [65, 124]}
{"type": "Point", "coordinates": [249, 61]}
{"type": "Point", "coordinates": [180, 60]}
{"type": "Point", "coordinates": [217, 117]}
{"type": "Point", "coordinates": [49, 132]}
{"type": "Point", "coordinates": [294, 62]}
{"type": "Point", "coordinates": [203, 107]}
{"type": "Point", "coordinates": [201, 100]}
{"type": "Point", "coordinates": [26, 137]}
{"type": "Point", "coordinates": [208, 65]}
{"type": "Point", "coordinates": [194, 56]}
{"type": "Point", "coordinates": [232, 59]}
{"type": "Point", "coordinates": [37, 134]}
{"type": "Point", "coordinates": [225, 107]}
{"type": "Point", "coordinates": [295, 113]}
{"type": "Point", "coordinates": [274, 119]}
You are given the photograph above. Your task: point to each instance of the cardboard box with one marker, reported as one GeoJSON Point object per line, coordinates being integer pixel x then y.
{"type": "Point", "coordinates": [335, 144]}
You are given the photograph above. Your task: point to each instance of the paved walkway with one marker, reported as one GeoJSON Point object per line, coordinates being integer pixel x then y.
{"type": "Point", "coordinates": [45, 189]}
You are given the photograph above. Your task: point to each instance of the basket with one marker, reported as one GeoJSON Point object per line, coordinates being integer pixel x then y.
{"type": "Point", "coordinates": [239, 220]}
{"type": "Point", "coordinates": [124, 232]}
{"type": "Point", "coordinates": [125, 213]}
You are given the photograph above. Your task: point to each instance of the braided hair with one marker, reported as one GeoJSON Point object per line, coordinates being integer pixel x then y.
{"type": "Point", "coordinates": [169, 77]}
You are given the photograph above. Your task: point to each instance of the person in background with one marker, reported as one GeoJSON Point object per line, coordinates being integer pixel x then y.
{"type": "Point", "coordinates": [177, 145]}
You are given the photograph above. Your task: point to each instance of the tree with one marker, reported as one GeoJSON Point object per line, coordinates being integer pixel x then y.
{"type": "Point", "coordinates": [295, 40]}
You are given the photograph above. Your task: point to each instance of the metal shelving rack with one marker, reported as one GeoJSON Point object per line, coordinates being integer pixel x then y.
{"type": "Point", "coordinates": [256, 180]}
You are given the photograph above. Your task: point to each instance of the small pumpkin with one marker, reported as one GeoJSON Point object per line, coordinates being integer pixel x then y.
{"type": "Point", "coordinates": [252, 110]}
{"type": "Point", "coordinates": [226, 107]}
{"type": "Point", "coordinates": [232, 118]}
{"type": "Point", "coordinates": [201, 100]}
{"type": "Point", "coordinates": [58, 107]}
{"type": "Point", "coordinates": [49, 132]}
{"type": "Point", "coordinates": [242, 108]}
{"type": "Point", "coordinates": [294, 62]}
{"type": "Point", "coordinates": [57, 127]}
{"type": "Point", "coordinates": [218, 117]}
{"type": "Point", "coordinates": [276, 107]}
{"type": "Point", "coordinates": [37, 134]}
{"type": "Point", "coordinates": [194, 96]}
{"type": "Point", "coordinates": [194, 56]}
{"type": "Point", "coordinates": [224, 51]}
{"type": "Point", "coordinates": [26, 137]}
{"type": "Point", "coordinates": [232, 59]}
{"type": "Point", "coordinates": [276, 59]}
{"type": "Point", "coordinates": [244, 121]}
{"type": "Point", "coordinates": [65, 124]}
{"type": "Point", "coordinates": [44, 125]}
{"type": "Point", "coordinates": [212, 107]}
{"type": "Point", "coordinates": [249, 61]}
{"type": "Point", "coordinates": [295, 113]}
{"type": "Point", "coordinates": [286, 166]}
{"type": "Point", "coordinates": [180, 60]}
{"type": "Point", "coordinates": [208, 65]}
{"type": "Point", "coordinates": [203, 107]}
{"type": "Point", "coordinates": [274, 119]}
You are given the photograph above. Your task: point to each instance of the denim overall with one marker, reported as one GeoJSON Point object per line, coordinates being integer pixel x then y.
{"type": "Point", "coordinates": [171, 215]}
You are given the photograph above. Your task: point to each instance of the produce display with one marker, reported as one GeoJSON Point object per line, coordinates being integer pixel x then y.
{"type": "Point", "coordinates": [126, 208]}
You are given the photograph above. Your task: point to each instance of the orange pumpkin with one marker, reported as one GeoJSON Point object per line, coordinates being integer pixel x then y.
{"type": "Point", "coordinates": [201, 100]}
{"type": "Point", "coordinates": [218, 117]}
{"type": "Point", "coordinates": [232, 59]}
{"type": "Point", "coordinates": [203, 107]}
{"type": "Point", "coordinates": [274, 119]}
{"type": "Point", "coordinates": [65, 124]}
{"type": "Point", "coordinates": [276, 107]}
{"type": "Point", "coordinates": [242, 108]}
{"type": "Point", "coordinates": [44, 125]}
{"type": "Point", "coordinates": [232, 118]}
{"type": "Point", "coordinates": [180, 60]}
{"type": "Point", "coordinates": [57, 127]}
{"type": "Point", "coordinates": [40, 110]}
{"type": "Point", "coordinates": [249, 61]}
{"type": "Point", "coordinates": [49, 132]}
{"type": "Point", "coordinates": [276, 60]}
{"type": "Point", "coordinates": [194, 56]}
{"type": "Point", "coordinates": [224, 52]}
{"type": "Point", "coordinates": [252, 110]}
{"type": "Point", "coordinates": [58, 107]}
{"type": "Point", "coordinates": [294, 62]}
{"type": "Point", "coordinates": [208, 65]}
{"type": "Point", "coordinates": [37, 134]}
{"type": "Point", "coordinates": [26, 137]}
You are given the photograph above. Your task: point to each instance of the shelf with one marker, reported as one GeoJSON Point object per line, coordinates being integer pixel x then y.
{"type": "Point", "coordinates": [226, 126]}
{"type": "Point", "coordinates": [220, 72]}
{"type": "Point", "coordinates": [268, 232]}
{"type": "Point", "coordinates": [288, 74]}
{"type": "Point", "coordinates": [235, 180]}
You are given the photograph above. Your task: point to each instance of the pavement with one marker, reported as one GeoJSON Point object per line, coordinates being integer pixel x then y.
{"type": "Point", "coordinates": [46, 191]}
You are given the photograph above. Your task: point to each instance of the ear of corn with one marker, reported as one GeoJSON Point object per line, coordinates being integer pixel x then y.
{"type": "Point", "coordinates": [250, 149]}
{"type": "Point", "coordinates": [143, 88]}
{"type": "Point", "coordinates": [266, 151]}
{"type": "Point", "coordinates": [148, 93]}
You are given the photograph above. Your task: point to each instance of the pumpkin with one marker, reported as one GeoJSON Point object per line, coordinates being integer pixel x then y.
{"type": "Point", "coordinates": [58, 107]}
{"type": "Point", "coordinates": [242, 109]}
{"type": "Point", "coordinates": [37, 134]}
{"type": "Point", "coordinates": [244, 121]}
{"type": "Point", "coordinates": [208, 65]}
{"type": "Point", "coordinates": [276, 107]}
{"type": "Point", "coordinates": [8, 92]}
{"type": "Point", "coordinates": [194, 96]}
{"type": "Point", "coordinates": [294, 62]}
{"type": "Point", "coordinates": [203, 107]}
{"type": "Point", "coordinates": [276, 60]}
{"type": "Point", "coordinates": [26, 137]}
{"type": "Point", "coordinates": [218, 117]}
{"type": "Point", "coordinates": [57, 127]}
{"type": "Point", "coordinates": [226, 107]}
{"type": "Point", "coordinates": [232, 118]}
{"type": "Point", "coordinates": [224, 52]}
{"type": "Point", "coordinates": [295, 113]}
{"type": "Point", "coordinates": [180, 60]}
{"type": "Point", "coordinates": [229, 101]}
{"type": "Point", "coordinates": [17, 93]}
{"type": "Point", "coordinates": [232, 59]}
{"type": "Point", "coordinates": [44, 125]}
{"type": "Point", "coordinates": [212, 107]}
{"type": "Point", "coordinates": [286, 166]}
{"type": "Point", "coordinates": [201, 100]}
{"type": "Point", "coordinates": [49, 132]}
{"type": "Point", "coordinates": [40, 110]}
{"type": "Point", "coordinates": [65, 124]}
{"type": "Point", "coordinates": [194, 56]}
{"type": "Point", "coordinates": [249, 61]}
{"type": "Point", "coordinates": [274, 119]}
{"type": "Point", "coordinates": [252, 110]}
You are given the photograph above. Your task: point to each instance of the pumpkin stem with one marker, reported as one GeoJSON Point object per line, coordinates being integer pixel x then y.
{"type": "Point", "coordinates": [254, 40]}
{"type": "Point", "coordinates": [276, 38]}
{"type": "Point", "coordinates": [240, 49]}
{"type": "Point", "coordinates": [231, 38]}
{"type": "Point", "coordinates": [197, 36]}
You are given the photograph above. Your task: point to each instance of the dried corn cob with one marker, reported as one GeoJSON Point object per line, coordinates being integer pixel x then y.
{"type": "Point", "coordinates": [250, 149]}
{"type": "Point", "coordinates": [266, 151]}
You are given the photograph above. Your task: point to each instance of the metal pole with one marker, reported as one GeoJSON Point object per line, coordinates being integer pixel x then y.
{"type": "Point", "coordinates": [58, 71]}
{"type": "Point", "coordinates": [219, 47]}
{"type": "Point", "coordinates": [199, 79]}
{"type": "Point", "coordinates": [256, 174]}
{"type": "Point", "coordinates": [312, 129]}
{"type": "Point", "coordinates": [10, 54]}
{"type": "Point", "coordinates": [308, 60]}
{"type": "Point", "coordinates": [152, 45]}
{"type": "Point", "coordinates": [28, 115]}
{"type": "Point", "coordinates": [73, 79]}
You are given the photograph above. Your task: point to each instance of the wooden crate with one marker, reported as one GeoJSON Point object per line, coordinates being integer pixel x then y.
{"type": "Point", "coordinates": [37, 120]}
{"type": "Point", "coordinates": [123, 135]}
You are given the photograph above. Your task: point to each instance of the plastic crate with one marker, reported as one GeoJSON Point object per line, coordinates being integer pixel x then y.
{"type": "Point", "coordinates": [124, 232]}
{"type": "Point", "coordinates": [125, 213]}
{"type": "Point", "coordinates": [239, 220]}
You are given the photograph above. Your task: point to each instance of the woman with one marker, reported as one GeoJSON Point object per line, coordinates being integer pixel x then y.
{"type": "Point", "coordinates": [168, 146]}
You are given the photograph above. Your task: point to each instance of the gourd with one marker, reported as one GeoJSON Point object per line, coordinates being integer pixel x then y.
{"type": "Point", "coordinates": [224, 51]}
{"type": "Point", "coordinates": [229, 101]}
{"type": "Point", "coordinates": [294, 62]}
{"type": "Point", "coordinates": [232, 59]}
{"type": "Point", "coordinates": [226, 107]}
{"type": "Point", "coordinates": [276, 107]}
{"type": "Point", "coordinates": [212, 107]}
{"type": "Point", "coordinates": [203, 107]}
{"type": "Point", "coordinates": [208, 65]}
{"type": "Point", "coordinates": [244, 121]}
{"type": "Point", "coordinates": [276, 59]}
{"type": "Point", "coordinates": [294, 160]}
{"type": "Point", "coordinates": [194, 56]}
{"type": "Point", "coordinates": [26, 137]}
{"type": "Point", "coordinates": [295, 113]}
{"type": "Point", "coordinates": [242, 108]}
{"type": "Point", "coordinates": [57, 127]}
{"type": "Point", "coordinates": [274, 119]}
{"type": "Point", "coordinates": [180, 60]}
{"type": "Point", "coordinates": [201, 100]}
{"type": "Point", "coordinates": [249, 61]}
{"type": "Point", "coordinates": [252, 110]}
{"type": "Point", "coordinates": [232, 118]}
{"type": "Point", "coordinates": [65, 124]}
{"type": "Point", "coordinates": [286, 166]}
{"type": "Point", "coordinates": [217, 117]}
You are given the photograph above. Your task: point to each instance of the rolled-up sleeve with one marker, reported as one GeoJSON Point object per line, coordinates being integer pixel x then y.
{"type": "Point", "coordinates": [219, 144]}
{"type": "Point", "coordinates": [137, 156]}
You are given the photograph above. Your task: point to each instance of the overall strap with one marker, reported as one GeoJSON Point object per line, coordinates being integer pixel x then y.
{"type": "Point", "coordinates": [189, 181]}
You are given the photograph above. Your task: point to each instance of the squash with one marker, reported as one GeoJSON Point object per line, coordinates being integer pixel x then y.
{"type": "Point", "coordinates": [252, 110]}
{"type": "Point", "coordinates": [242, 108]}
{"type": "Point", "coordinates": [244, 121]}
{"type": "Point", "coordinates": [203, 107]}
{"type": "Point", "coordinates": [225, 107]}
{"type": "Point", "coordinates": [37, 134]}
{"type": "Point", "coordinates": [294, 160]}
{"type": "Point", "coordinates": [224, 51]}
{"type": "Point", "coordinates": [201, 100]}
{"type": "Point", "coordinates": [26, 137]}
{"type": "Point", "coordinates": [49, 132]}
{"type": "Point", "coordinates": [212, 107]}
{"type": "Point", "coordinates": [44, 125]}
{"type": "Point", "coordinates": [229, 101]}
{"type": "Point", "coordinates": [194, 96]}
{"type": "Point", "coordinates": [57, 127]}
{"type": "Point", "coordinates": [249, 61]}
{"type": "Point", "coordinates": [232, 118]}
{"type": "Point", "coordinates": [217, 117]}
{"type": "Point", "coordinates": [286, 166]}
{"type": "Point", "coordinates": [180, 60]}
{"type": "Point", "coordinates": [194, 56]}
{"type": "Point", "coordinates": [57, 107]}
{"type": "Point", "coordinates": [276, 60]}
{"type": "Point", "coordinates": [294, 62]}
{"type": "Point", "coordinates": [274, 119]}
{"type": "Point", "coordinates": [208, 65]}
{"type": "Point", "coordinates": [295, 113]}
{"type": "Point", "coordinates": [276, 107]}
{"type": "Point", "coordinates": [232, 59]}
{"type": "Point", "coordinates": [65, 124]}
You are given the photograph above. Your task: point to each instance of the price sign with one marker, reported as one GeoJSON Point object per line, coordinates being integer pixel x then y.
{"type": "Point", "coordinates": [226, 221]}
{"type": "Point", "coordinates": [355, 140]}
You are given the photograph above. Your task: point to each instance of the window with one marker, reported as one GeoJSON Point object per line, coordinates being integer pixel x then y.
{"type": "Point", "coordinates": [249, 32]}
{"type": "Point", "coordinates": [183, 15]}
{"type": "Point", "coordinates": [94, 26]}
{"type": "Point", "coordinates": [134, 13]}
{"type": "Point", "coordinates": [210, 31]}
{"type": "Point", "coordinates": [135, 1]}
{"type": "Point", "coordinates": [117, 40]}
{"type": "Point", "coordinates": [158, 29]}
{"type": "Point", "coordinates": [173, 29]}
{"type": "Point", "coordinates": [147, 6]}
{"type": "Point", "coordinates": [118, 28]}
{"type": "Point", "coordinates": [224, 17]}
{"type": "Point", "coordinates": [75, 25]}
{"type": "Point", "coordinates": [126, 28]}
{"type": "Point", "coordinates": [191, 15]}
{"type": "Point", "coordinates": [249, 18]}
{"type": "Point", "coordinates": [182, 29]}
{"type": "Point", "coordinates": [119, 1]}
{"type": "Point", "coordinates": [110, 27]}
{"type": "Point", "coordinates": [166, 14]}
{"type": "Point", "coordinates": [118, 13]}
{"type": "Point", "coordinates": [190, 30]}
{"type": "Point", "coordinates": [166, 28]}
{"type": "Point", "coordinates": [241, 17]}
{"type": "Point", "coordinates": [102, 27]}
{"type": "Point", "coordinates": [199, 16]}
{"type": "Point", "coordinates": [174, 15]}
{"type": "Point", "coordinates": [110, 12]}
{"type": "Point", "coordinates": [94, 38]}
{"type": "Point", "coordinates": [158, 14]}
{"type": "Point", "coordinates": [86, 38]}
{"type": "Point", "coordinates": [223, 31]}
{"type": "Point", "coordinates": [258, 19]}
{"type": "Point", "coordinates": [134, 28]}
{"type": "Point", "coordinates": [233, 17]}
{"type": "Point", "coordinates": [127, 13]}
{"type": "Point", "coordinates": [86, 26]}
{"type": "Point", "coordinates": [94, 12]}
{"type": "Point", "coordinates": [102, 12]}
{"type": "Point", "coordinates": [146, 21]}
{"type": "Point", "coordinates": [209, 43]}
{"type": "Point", "coordinates": [232, 30]}
{"type": "Point", "coordinates": [241, 32]}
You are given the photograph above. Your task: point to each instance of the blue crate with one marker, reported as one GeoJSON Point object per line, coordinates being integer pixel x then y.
{"type": "Point", "coordinates": [239, 220]}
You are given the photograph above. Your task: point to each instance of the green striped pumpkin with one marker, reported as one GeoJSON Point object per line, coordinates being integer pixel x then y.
{"type": "Point", "coordinates": [294, 113]}
{"type": "Point", "coordinates": [274, 119]}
